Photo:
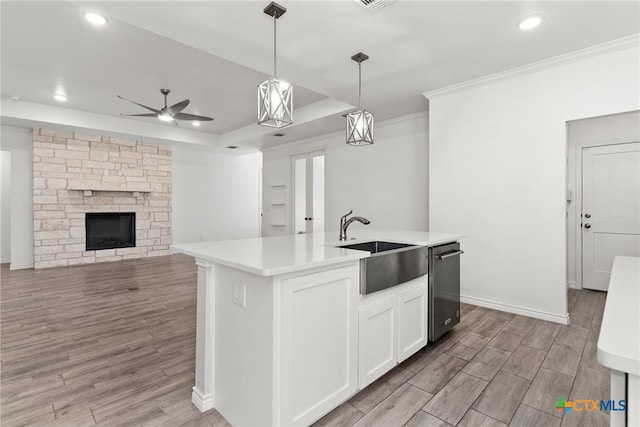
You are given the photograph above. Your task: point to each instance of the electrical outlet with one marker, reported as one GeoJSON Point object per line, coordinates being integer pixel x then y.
{"type": "Point", "coordinates": [239, 294]}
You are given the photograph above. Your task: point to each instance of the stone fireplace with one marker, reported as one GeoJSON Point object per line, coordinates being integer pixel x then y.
{"type": "Point", "coordinates": [77, 175]}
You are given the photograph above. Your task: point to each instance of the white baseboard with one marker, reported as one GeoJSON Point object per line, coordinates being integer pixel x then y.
{"type": "Point", "coordinates": [21, 266]}
{"type": "Point", "coordinates": [5, 260]}
{"type": "Point", "coordinates": [202, 402]}
{"type": "Point", "coordinates": [563, 319]}
{"type": "Point", "coordinates": [573, 285]}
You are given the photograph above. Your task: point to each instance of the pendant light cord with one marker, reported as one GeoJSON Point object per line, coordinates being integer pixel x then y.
{"type": "Point", "coordinates": [275, 48]}
{"type": "Point", "coordinates": [359, 85]}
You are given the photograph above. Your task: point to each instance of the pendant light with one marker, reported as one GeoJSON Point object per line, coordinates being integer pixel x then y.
{"type": "Point", "coordinates": [360, 122]}
{"type": "Point", "coordinates": [275, 97]}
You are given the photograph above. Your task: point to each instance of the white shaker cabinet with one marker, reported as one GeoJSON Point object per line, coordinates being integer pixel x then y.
{"type": "Point", "coordinates": [392, 325]}
{"type": "Point", "coordinates": [318, 336]}
{"type": "Point", "coordinates": [378, 351]}
{"type": "Point", "coordinates": [412, 319]}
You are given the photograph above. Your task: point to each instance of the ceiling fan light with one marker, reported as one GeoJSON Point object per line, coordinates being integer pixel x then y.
{"type": "Point", "coordinates": [360, 128]}
{"type": "Point", "coordinates": [165, 117]}
{"type": "Point", "coordinates": [195, 123]}
{"type": "Point", "coordinates": [275, 103]}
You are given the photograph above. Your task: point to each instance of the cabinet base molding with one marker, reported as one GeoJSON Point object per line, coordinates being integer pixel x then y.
{"type": "Point", "coordinates": [202, 402]}
{"type": "Point", "coordinates": [557, 318]}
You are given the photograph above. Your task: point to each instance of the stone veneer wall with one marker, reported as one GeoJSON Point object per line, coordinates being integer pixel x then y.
{"type": "Point", "coordinates": [63, 161]}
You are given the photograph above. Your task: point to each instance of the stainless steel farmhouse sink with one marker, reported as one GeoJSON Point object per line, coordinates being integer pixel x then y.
{"type": "Point", "coordinates": [376, 246]}
{"type": "Point", "coordinates": [390, 264]}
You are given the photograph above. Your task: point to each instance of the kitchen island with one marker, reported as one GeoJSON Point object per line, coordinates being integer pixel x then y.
{"type": "Point", "coordinates": [619, 340]}
{"type": "Point", "coordinates": [277, 329]}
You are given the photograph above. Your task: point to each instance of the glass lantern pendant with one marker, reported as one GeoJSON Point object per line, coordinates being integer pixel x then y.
{"type": "Point", "coordinates": [275, 96]}
{"type": "Point", "coordinates": [275, 103]}
{"type": "Point", "coordinates": [360, 122]}
{"type": "Point", "coordinates": [360, 128]}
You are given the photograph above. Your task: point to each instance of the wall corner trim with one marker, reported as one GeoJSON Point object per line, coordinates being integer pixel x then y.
{"type": "Point", "coordinates": [603, 48]}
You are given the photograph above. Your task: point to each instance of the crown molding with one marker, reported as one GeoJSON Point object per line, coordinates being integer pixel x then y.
{"type": "Point", "coordinates": [608, 47]}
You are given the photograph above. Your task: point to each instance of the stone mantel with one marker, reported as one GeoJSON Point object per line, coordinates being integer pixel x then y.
{"type": "Point", "coordinates": [89, 191]}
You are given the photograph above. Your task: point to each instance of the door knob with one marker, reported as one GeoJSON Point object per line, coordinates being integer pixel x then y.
{"type": "Point", "coordinates": [587, 215]}
{"type": "Point", "coordinates": [587, 225]}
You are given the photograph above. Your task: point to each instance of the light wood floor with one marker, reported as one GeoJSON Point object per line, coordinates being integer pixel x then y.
{"type": "Point", "coordinates": [114, 344]}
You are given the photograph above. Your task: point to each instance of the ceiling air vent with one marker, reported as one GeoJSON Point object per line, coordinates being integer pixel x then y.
{"type": "Point", "coordinates": [373, 5]}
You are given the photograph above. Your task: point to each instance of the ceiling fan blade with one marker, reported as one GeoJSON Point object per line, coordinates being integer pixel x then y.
{"type": "Point", "coordinates": [185, 116]}
{"type": "Point", "coordinates": [141, 105]}
{"type": "Point", "coordinates": [176, 108]}
{"type": "Point", "coordinates": [140, 115]}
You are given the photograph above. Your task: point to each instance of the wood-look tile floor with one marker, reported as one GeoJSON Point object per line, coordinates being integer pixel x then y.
{"type": "Point", "coordinates": [114, 345]}
{"type": "Point", "coordinates": [492, 369]}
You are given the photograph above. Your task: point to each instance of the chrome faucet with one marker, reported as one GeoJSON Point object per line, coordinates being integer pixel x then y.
{"type": "Point", "coordinates": [344, 223]}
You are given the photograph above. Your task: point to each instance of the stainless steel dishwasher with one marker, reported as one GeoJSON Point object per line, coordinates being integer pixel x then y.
{"type": "Point", "coordinates": [444, 288]}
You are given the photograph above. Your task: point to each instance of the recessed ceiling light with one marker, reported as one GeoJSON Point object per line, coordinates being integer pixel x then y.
{"type": "Point", "coordinates": [60, 97]}
{"type": "Point", "coordinates": [195, 123]}
{"type": "Point", "coordinates": [529, 22]}
{"type": "Point", "coordinates": [95, 18]}
{"type": "Point", "coordinates": [232, 147]}
{"type": "Point", "coordinates": [278, 134]}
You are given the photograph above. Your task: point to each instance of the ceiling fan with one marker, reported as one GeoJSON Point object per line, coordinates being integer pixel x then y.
{"type": "Point", "coordinates": [168, 114]}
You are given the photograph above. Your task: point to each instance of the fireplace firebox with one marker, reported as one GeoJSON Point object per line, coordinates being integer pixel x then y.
{"type": "Point", "coordinates": [110, 230]}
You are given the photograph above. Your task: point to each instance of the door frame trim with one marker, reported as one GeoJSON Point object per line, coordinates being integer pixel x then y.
{"type": "Point", "coordinates": [308, 156]}
{"type": "Point", "coordinates": [575, 221]}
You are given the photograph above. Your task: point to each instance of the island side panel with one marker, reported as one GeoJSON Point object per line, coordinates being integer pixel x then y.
{"type": "Point", "coordinates": [244, 348]}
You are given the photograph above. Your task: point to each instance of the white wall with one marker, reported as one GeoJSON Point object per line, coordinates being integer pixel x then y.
{"type": "Point", "coordinates": [19, 143]}
{"type": "Point", "coordinates": [498, 154]}
{"type": "Point", "coordinates": [385, 182]}
{"type": "Point", "coordinates": [215, 196]}
{"type": "Point", "coordinates": [5, 206]}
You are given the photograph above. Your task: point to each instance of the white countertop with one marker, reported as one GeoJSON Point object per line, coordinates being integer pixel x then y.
{"type": "Point", "coordinates": [619, 341]}
{"type": "Point", "coordinates": [270, 256]}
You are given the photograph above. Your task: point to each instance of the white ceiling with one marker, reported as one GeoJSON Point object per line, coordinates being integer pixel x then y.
{"type": "Point", "coordinates": [216, 52]}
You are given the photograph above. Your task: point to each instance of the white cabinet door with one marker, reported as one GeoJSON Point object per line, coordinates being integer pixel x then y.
{"type": "Point", "coordinates": [318, 343]}
{"type": "Point", "coordinates": [412, 319]}
{"type": "Point", "coordinates": [377, 340]}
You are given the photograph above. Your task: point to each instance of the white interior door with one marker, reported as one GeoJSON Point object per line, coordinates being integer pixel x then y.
{"type": "Point", "coordinates": [308, 192]}
{"type": "Point", "coordinates": [610, 209]}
